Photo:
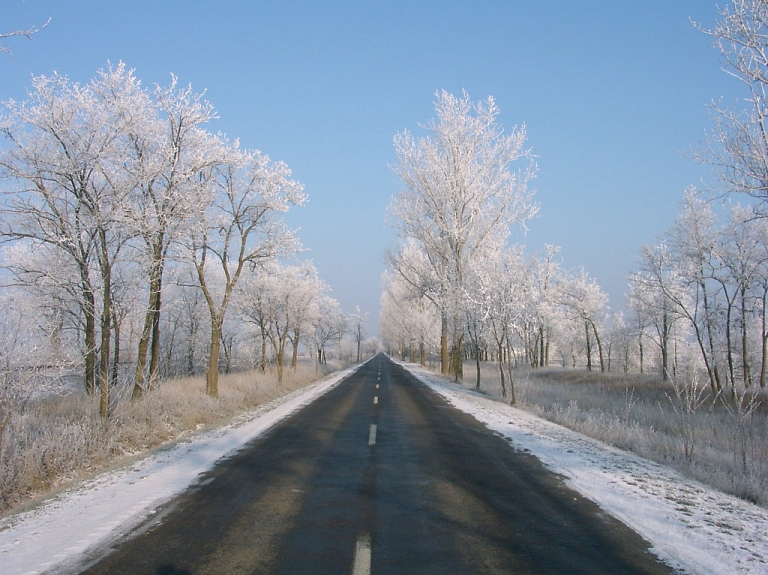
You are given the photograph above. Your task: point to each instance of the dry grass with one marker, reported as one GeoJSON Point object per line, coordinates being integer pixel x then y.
{"type": "Point", "coordinates": [721, 443]}
{"type": "Point", "coordinates": [63, 438]}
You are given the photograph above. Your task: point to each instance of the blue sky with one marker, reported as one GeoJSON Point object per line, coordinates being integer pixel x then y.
{"type": "Point", "coordinates": [614, 96]}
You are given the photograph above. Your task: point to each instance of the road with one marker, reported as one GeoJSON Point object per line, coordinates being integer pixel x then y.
{"type": "Point", "coordinates": [380, 476]}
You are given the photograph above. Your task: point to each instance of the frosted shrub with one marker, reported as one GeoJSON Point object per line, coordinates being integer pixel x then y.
{"type": "Point", "coordinates": [722, 443]}
{"type": "Point", "coordinates": [62, 438]}
{"type": "Point", "coordinates": [686, 401]}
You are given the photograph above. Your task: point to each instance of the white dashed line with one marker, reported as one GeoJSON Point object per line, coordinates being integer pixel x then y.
{"type": "Point", "coordinates": [372, 435]}
{"type": "Point", "coordinates": [375, 399]}
{"type": "Point", "coordinates": [362, 564]}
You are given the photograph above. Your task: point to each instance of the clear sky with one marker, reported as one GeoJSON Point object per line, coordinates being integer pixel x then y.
{"type": "Point", "coordinates": [614, 95]}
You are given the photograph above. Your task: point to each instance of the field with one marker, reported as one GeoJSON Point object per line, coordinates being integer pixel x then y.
{"type": "Point", "coordinates": [723, 443]}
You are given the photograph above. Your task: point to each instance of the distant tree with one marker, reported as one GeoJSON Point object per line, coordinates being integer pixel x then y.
{"type": "Point", "coordinates": [329, 324]}
{"type": "Point", "coordinates": [283, 302]}
{"type": "Point", "coordinates": [588, 304]}
{"type": "Point", "coordinates": [356, 322]}
{"type": "Point", "coordinates": [408, 322]}
{"type": "Point", "coordinates": [460, 195]}
{"type": "Point", "coordinates": [502, 287]}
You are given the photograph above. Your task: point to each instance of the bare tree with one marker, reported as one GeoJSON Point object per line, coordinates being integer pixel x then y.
{"type": "Point", "coordinates": [67, 195]}
{"type": "Point", "coordinates": [241, 229]}
{"type": "Point", "coordinates": [357, 325]}
{"type": "Point", "coordinates": [330, 324]}
{"type": "Point", "coordinates": [460, 195]}
{"type": "Point", "coordinates": [738, 144]}
{"type": "Point", "coordinates": [165, 152]}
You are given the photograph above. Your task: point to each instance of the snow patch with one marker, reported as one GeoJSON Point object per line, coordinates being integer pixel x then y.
{"type": "Point", "coordinates": [692, 527]}
{"type": "Point", "coordinates": [94, 513]}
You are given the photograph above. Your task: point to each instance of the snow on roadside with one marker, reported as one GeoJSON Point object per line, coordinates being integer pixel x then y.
{"type": "Point", "coordinates": [694, 528]}
{"type": "Point", "coordinates": [95, 512]}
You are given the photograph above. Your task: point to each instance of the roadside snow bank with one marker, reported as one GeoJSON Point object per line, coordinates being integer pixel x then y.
{"type": "Point", "coordinates": [692, 527]}
{"type": "Point", "coordinates": [101, 510]}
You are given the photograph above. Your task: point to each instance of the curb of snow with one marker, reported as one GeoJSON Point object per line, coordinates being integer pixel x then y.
{"type": "Point", "coordinates": [95, 512]}
{"type": "Point", "coordinates": [692, 527]}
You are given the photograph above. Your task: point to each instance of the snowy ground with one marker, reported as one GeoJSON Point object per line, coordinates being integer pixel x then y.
{"type": "Point", "coordinates": [692, 527]}
{"type": "Point", "coordinates": [58, 532]}
{"type": "Point", "coordinates": [696, 529]}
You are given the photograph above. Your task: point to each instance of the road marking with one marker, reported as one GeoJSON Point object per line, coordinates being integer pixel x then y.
{"type": "Point", "coordinates": [377, 386]}
{"type": "Point", "coordinates": [372, 435]}
{"type": "Point", "coordinates": [362, 565]}
{"type": "Point", "coordinates": [375, 399]}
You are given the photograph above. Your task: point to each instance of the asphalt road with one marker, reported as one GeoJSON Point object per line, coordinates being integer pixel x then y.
{"type": "Point", "coordinates": [380, 476]}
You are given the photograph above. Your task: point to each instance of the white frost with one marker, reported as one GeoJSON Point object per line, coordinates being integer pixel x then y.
{"type": "Point", "coordinates": [65, 527]}
{"type": "Point", "coordinates": [692, 527]}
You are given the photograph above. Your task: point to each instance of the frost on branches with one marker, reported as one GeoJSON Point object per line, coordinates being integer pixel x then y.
{"type": "Point", "coordinates": [461, 192]}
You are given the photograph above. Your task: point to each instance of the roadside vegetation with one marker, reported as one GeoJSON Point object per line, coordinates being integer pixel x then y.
{"type": "Point", "coordinates": [696, 308]}
{"type": "Point", "coordinates": [56, 439]}
{"type": "Point", "coordinates": [720, 441]}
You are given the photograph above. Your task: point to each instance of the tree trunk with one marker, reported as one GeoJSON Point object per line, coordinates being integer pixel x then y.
{"type": "Point", "coordinates": [295, 351]}
{"type": "Point", "coordinates": [263, 360]}
{"type": "Point", "coordinates": [599, 342]}
{"type": "Point", "coordinates": [212, 375]}
{"type": "Point", "coordinates": [444, 361]}
{"type": "Point", "coordinates": [116, 355]}
{"type": "Point", "coordinates": [744, 341]}
{"type": "Point", "coordinates": [89, 313]}
{"type": "Point", "coordinates": [151, 330]}
{"type": "Point", "coordinates": [512, 395]}
{"type": "Point", "coordinates": [279, 364]}
{"type": "Point", "coordinates": [154, 349]}
{"type": "Point", "coordinates": [106, 339]}
{"type": "Point", "coordinates": [589, 346]}
{"type": "Point", "coordinates": [501, 370]}
{"type": "Point", "coordinates": [477, 364]}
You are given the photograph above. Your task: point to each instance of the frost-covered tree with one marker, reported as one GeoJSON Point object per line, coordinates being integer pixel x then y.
{"type": "Point", "coordinates": [408, 322]}
{"type": "Point", "coordinates": [503, 289]}
{"type": "Point", "coordinates": [284, 304]}
{"type": "Point", "coordinates": [330, 324]}
{"type": "Point", "coordinates": [692, 241]}
{"type": "Point", "coordinates": [655, 298]}
{"type": "Point", "coordinates": [543, 307]}
{"type": "Point", "coordinates": [63, 146]}
{"type": "Point", "coordinates": [588, 305]}
{"type": "Point", "coordinates": [460, 195]}
{"type": "Point", "coordinates": [743, 253]}
{"type": "Point", "coordinates": [738, 144]}
{"type": "Point", "coordinates": [166, 149]}
{"type": "Point", "coordinates": [241, 229]}
{"type": "Point", "coordinates": [356, 322]}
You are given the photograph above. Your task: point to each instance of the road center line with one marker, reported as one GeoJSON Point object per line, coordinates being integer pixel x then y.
{"type": "Point", "coordinates": [372, 435]}
{"type": "Point", "coordinates": [375, 399]}
{"type": "Point", "coordinates": [362, 565]}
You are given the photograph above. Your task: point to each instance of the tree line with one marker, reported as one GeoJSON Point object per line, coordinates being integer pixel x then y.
{"type": "Point", "coordinates": [124, 216]}
{"type": "Point", "coordinates": [457, 289]}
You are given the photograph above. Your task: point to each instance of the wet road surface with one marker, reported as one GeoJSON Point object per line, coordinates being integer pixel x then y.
{"type": "Point", "coordinates": [380, 476]}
